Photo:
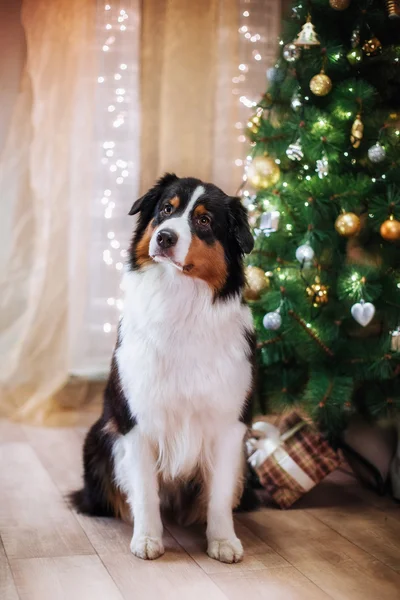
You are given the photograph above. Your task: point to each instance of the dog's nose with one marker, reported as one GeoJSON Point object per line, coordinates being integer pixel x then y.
{"type": "Point", "coordinates": [166, 238]}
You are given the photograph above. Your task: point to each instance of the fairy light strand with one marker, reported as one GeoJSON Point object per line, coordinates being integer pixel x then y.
{"type": "Point", "coordinates": [114, 166]}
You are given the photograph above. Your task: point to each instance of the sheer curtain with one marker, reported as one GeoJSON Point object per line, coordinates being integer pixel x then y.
{"type": "Point", "coordinates": [73, 159]}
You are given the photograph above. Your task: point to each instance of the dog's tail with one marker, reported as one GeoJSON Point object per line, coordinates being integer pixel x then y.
{"type": "Point", "coordinates": [99, 496]}
{"type": "Point", "coordinates": [249, 500]}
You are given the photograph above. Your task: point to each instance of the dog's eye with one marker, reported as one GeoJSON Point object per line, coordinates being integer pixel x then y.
{"type": "Point", "coordinates": [167, 209]}
{"type": "Point", "coordinates": [204, 221]}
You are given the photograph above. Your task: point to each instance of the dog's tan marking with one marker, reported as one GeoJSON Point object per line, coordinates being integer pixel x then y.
{"type": "Point", "coordinates": [142, 247]}
{"type": "Point", "coordinates": [200, 210]}
{"type": "Point", "coordinates": [175, 201]}
{"type": "Point", "coordinates": [206, 262]}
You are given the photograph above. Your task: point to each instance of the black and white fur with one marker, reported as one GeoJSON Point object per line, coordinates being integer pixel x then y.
{"type": "Point", "coordinates": [175, 408]}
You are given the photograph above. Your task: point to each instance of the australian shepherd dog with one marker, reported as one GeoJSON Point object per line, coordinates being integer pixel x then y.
{"type": "Point", "coordinates": [178, 399]}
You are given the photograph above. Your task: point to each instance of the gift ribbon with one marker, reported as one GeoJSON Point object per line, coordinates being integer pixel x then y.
{"type": "Point", "coordinates": [271, 442]}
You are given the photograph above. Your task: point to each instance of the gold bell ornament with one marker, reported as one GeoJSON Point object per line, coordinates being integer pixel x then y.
{"type": "Point", "coordinates": [318, 293]}
{"type": "Point", "coordinates": [263, 172]}
{"type": "Point", "coordinates": [307, 37]}
{"type": "Point", "coordinates": [390, 229]}
{"type": "Point", "coordinates": [357, 131]}
{"type": "Point", "coordinates": [321, 84]}
{"type": "Point", "coordinates": [372, 47]}
{"type": "Point", "coordinates": [256, 283]}
{"type": "Point", "coordinates": [347, 224]}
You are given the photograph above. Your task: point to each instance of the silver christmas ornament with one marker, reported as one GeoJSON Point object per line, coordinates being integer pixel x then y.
{"type": "Point", "coordinates": [395, 345]}
{"type": "Point", "coordinates": [291, 52]}
{"type": "Point", "coordinates": [269, 221]}
{"type": "Point", "coordinates": [294, 151]}
{"type": "Point", "coordinates": [296, 102]}
{"type": "Point", "coordinates": [322, 167]}
{"type": "Point", "coordinates": [376, 153]}
{"type": "Point", "coordinates": [272, 320]}
{"type": "Point", "coordinates": [304, 253]}
{"type": "Point", "coordinates": [275, 74]}
{"type": "Point", "coordinates": [363, 312]}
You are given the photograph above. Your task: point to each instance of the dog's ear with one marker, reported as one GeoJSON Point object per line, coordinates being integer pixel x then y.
{"type": "Point", "coordinates": [240, 227]}
{"type": "Point", "coordinates": [150, 199]}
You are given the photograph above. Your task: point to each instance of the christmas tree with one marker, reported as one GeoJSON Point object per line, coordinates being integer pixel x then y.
{"type": "Point", "coordinates": [322, 186]}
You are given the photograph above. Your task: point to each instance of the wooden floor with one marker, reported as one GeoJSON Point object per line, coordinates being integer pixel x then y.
{"type": "Point", "coordinates": [340, 541]}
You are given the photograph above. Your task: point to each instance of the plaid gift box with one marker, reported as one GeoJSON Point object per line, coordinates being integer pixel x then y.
{"type": "Point", "coordinates": [290, 458]}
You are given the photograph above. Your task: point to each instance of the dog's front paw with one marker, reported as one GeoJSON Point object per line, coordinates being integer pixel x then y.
{"type": "Point", "coordinates": [146, 547]}
{"type": "Point", "coordinates": [227, 551]}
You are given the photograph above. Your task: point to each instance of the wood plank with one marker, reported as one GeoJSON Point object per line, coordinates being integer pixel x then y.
{"type": "Point", "coordinates": [64, 578]}
{"type": "Point", "coordinates": [60, 451]}
{"type": "Point", "coordinates": [362, 524]}
{"type": "Point", "coordinates": [7, 587]}
{"type": "Point", "coordinates": [347, 480]}
{"type": "Point", "coordinates": [277, 584]}
{"type": "Point", "coordinates": [337, 566]}
{"type": "Point", "coordinates": [34, 519]}
{"type": "Point", "coordinates": [174, 576]}
{"type": "Point", "coordinates": [257, 554]}
{"type": "Point", "coordinates": [11, 432]}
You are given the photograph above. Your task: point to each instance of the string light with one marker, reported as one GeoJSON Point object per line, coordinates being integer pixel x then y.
{"type": "Point", "coordinates": [114, 174]}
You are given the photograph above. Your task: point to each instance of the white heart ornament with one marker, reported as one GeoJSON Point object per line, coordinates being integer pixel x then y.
{"type": "Point", "coordinates": [363, 312]}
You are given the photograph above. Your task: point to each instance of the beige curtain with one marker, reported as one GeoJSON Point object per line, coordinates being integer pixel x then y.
{"type": "Point", "coordinates": [54, 295]}
{"type": "Point", "coordinates": [189, 57]}
{"type": "Point", "coordinates": [39, 201]}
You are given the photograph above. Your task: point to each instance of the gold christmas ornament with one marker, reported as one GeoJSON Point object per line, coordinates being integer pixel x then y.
{"type": "Point", "coordinates": [256, 283]}
{"type": "Point", "coordinates": [255, 121]}
{"type": "Point", "coordinates": [263, 172]}
{"type": "Point", "coordinates": [372, 47]}
{"type": "Point", "coordinates": [390, 229]}
{"type": "Point", "coordinates": [393, 9]}
{"type": "Point", "coordinates": [347, 224]}
{"type": "Point", "coordinates": [307, 37]}
{"type": "Point", "coordinates": [254, 124]}
{"type": "Point", "coordinates": [318, 293]}
{"type": "Point", "coordinates": [357, 130]}
{"type": "Point", "coordinates": [321, 84]}
{"type": "Point", "coordinates": [339, 4]}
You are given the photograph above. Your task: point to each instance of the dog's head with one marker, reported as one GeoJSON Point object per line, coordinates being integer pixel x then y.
{"type": "Point", "coordinates": [194, 227]}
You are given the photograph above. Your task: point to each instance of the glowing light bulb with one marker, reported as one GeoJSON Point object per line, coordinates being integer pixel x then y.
{"type": "Point", "coordinates": [111, 108]}
{"type": "Point", "coordinates": [111, 301]}
{"type": "Point", "coordinates": [100, 79]}
{"type": "Point", "coordinates": [106, 48]}
{"type": "Point", "coordinates": [123, 66]}
{"type": "Point", "coordinates": [117, 76]}
{"type": "Point", "coordinates": [119, 180]}
{"type": "Point", "coordinates": [111, 235]}
{"type": "Point", "coordinates": [107, 327]}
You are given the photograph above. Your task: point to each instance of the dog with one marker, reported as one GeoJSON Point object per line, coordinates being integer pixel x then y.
{"type": "Point", "coordinates": [178, 399]}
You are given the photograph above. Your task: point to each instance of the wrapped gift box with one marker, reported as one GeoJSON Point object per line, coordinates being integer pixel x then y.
{"type": "Point", "coordinates": [290, 458]}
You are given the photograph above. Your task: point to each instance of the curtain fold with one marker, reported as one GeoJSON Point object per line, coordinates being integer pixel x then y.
{"type": "Point", "coordinates": [189, 55]}
{"type": "Point", "coordinates": [35, 178]}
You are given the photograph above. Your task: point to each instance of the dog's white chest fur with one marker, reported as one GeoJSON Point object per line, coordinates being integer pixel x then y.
{"type": "Point", "coordinates": [183, 363]}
